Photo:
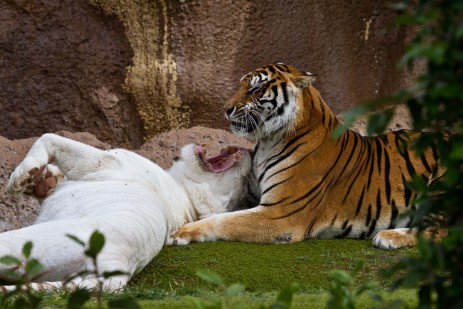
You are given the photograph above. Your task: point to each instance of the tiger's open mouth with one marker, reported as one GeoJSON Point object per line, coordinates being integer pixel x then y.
{"type": "Point", "coordinates": [227, 158]}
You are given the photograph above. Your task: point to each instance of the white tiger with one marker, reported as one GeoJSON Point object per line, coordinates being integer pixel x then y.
{"type": "Point", "coordinates": [132, 201]}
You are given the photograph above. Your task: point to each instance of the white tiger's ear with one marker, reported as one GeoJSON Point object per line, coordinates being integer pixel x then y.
{"type": "Point", "coordinates": [303, 81]}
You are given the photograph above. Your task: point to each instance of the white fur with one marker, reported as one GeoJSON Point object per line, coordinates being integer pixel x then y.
{"type": "Point", "coordinates": [132, 201]}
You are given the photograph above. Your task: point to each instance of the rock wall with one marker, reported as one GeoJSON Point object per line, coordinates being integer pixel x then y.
{"type": "Point", "coordinates": [127, 70]}
{"type": "Point", "coordinates": [63, 66]}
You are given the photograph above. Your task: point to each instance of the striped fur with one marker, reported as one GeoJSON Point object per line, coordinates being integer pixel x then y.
{"type": "Point", "coordinates": [310, 185]}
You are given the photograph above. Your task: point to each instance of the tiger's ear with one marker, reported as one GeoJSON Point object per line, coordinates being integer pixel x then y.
{"type": "Point", "coordinates": [304, 80]}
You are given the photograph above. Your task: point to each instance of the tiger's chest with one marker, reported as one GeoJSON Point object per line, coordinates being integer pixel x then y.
{"type": "Point", "coordinates": [263, 165]}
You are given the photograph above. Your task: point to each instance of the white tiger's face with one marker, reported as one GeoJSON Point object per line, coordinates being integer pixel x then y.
{"type": "Point", "coordinates": [216, 184]}
{"type": "Point", "coordinates": [266, 102]}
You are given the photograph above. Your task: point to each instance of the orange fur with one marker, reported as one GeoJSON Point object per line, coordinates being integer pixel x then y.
{"type": "Point", "coordinates": [310, 185]}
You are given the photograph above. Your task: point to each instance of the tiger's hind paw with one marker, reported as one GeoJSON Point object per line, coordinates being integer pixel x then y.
{"type": "Point", "coordinates": [395, 238]}
{"type": "Point", "coordinates": [33, 177]}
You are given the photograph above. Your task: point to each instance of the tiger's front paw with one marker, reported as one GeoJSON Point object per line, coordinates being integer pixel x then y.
{"type": "Point", "coordinates": [395, 238]}
{"type": "Point", "coordinates": [193, 232]}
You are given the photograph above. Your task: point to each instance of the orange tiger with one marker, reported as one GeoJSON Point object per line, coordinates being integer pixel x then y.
{"type": "Point", "coordinates": [308, 184]}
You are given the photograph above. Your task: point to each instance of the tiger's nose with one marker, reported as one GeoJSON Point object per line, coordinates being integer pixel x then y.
{"type": "Point", "coordinates": [230, 111]}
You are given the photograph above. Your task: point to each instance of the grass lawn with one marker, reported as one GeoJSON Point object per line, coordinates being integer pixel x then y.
{"type": "Point", "coordinates": [170, 280]}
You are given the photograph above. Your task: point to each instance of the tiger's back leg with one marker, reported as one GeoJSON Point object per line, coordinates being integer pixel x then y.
{"type": "Point", "coordinates": [51, 158]}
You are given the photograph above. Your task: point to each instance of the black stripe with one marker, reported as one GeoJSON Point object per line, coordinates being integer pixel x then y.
{"type": "Point", "coordinates": [378, 204]}
{"type": "Point", "coordinates": [354, 148]}
{"type": "Point", "coordinates": [410, 167]}
{"type": "Point", "coordinates": [302, 208]}
{"type": "Point", "coordinates": [287, 145]}
{"type": "Point", "coordinates": [254, 152]}
{"type": "Point", "coordinates": [275, 203]}
{"type": "Point", "coordinates": [275, 93]}
{"type": "Point", "coordinates": [394, 213]}
{"type": "Point", "coordinates": [344, 224]}
{"type": "Point", "coordinates": [316, 187]}
{"type": "Point", "coordinates": [387, 182]}
{"type": "Point", "coordinates": [322, 107]}
{"type": "Point", "coordinates": [379, 150]}
{"type": "Point", "coordinates": [407, 191]}
{"type": "Point", "coordinates": [282, 68]}
{"type": "Point", "coordinates": [372, 228]}
{"type": "Point", "coordinates": [435, 153]}
{"type": "Point", "coordinates": [360, 202]}
{"type": "Point", "coordinates": [368, 216]}
{"type": "Point", "coordinates": [284, 90]}
{"type": "Point", "coordinates": [361, 150]}
{"type": "Point", "coordinates": [292, 165]}
{"type": "Point", "coordinates": [372, 166]}
{"type": "Point", "coordinates": [330, 119]}
{"type": "Point", "coordinates": [354, 181]}
{"type": "Point", "coordinates": [346, 232]}
{"type": "Point", "coordinates": [279, 160]}
{"type": "Point", "coordinates": [425, 163]}
{"type": "Point", "coordinates": [276, 184]}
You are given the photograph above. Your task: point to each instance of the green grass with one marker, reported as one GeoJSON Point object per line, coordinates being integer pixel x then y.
{"type": "Point", "coordinates": [170, 279]}
{"type": "Point", "coordinates": [264, 267]}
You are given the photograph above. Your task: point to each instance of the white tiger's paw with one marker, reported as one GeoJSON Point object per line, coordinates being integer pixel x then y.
{"type": "Point", "coordinates": [394, 239]}
{"type": "Point", "coordinates": [34, 175]}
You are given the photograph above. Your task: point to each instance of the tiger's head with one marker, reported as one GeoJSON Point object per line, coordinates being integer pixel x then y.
{"type": "Point", "coordinates": [267, 101]}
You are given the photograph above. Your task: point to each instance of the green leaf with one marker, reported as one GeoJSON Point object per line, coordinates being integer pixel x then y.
{"type": "Point", "coordinates": [378, 122]}
{"type": "Point", "coordinates": [20, 303]}
{"type": "Point", "coordinates": [286, 295]}
{"type": "Point", "coordinates": [96, 243]}
{"type": "Point", "coordinates": [340, 276]}
{"type": "Point", "coordinates": [234, 289]}
{"type": "Point", "coordinates": [78, 298]}
{"type": "Point", "coordinates": [33, 268]}
{"type": "Point", "coordinates": [10, 275]}
{"type": "Point", "coordinates": [210, 276]}
{"type": "Point", "coordinates": [425, 248]}
{"type": "Point", "coordinates": [196, 302]}
{"type": "Point", "coordinates": [457, 152]}
{"type": "Point", "coordinates": [405, 19]}
{"type": "Point", "coordinates": [365, 287]}
{"type": "Point", "coordinates": [9, 260]}
{"type": "Point", "coordinates": [434, 51]}
{"type": "Point", "coordinates": [27, 248]}
{"type": "Point", "coordinates": [77, 240]}
{"type": "Point", "coordinates": [459, 31]}
{"type": "Point", "coordinates": [338, 131]}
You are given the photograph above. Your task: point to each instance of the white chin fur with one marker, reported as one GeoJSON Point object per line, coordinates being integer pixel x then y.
{"type": "Point", "coordinates": [189, 156]}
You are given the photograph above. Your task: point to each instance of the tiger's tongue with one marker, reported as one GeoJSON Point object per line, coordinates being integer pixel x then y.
{"type": "Point", "coordinates": [222, 162]}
